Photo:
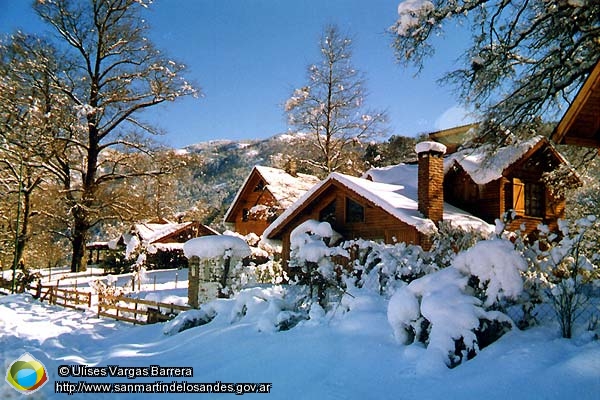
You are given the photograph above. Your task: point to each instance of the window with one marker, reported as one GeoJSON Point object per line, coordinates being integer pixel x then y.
{"type": "Point", "coordinates": [534, 199]}
{"type": "Point", "coordinates": [260, 186]}
{"type": "Point", "coordinates": [327, 214]}
{"type": "Point", "coordinates": [528, 198]}
{"type": "Point", "coordinates": [354, 211]}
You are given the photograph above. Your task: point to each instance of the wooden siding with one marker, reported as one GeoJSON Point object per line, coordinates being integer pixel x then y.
{"type": "Point", "coordinates": [377, 225]}
{"type": "Point", "coordinates": [492, 200]}
{"type": "Point", "coordinates": [248, 199]}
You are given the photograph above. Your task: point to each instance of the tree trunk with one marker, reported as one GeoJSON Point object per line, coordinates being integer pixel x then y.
{"type": "Point", "coordinates": [78, 260]}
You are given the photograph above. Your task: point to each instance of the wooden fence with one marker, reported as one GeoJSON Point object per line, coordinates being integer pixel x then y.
{"type": "Point", "coordinates": [137, 311]}
{"type": "Point", "coordinates": [71, 298]}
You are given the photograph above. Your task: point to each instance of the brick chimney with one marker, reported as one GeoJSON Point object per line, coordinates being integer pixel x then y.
{"type": "Point", "coordinates": [431, 180]}
{"type": "Point", "coordinates": [291, 167]}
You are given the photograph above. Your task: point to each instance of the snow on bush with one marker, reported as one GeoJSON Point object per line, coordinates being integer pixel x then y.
{"type": "Point", "coordinates": [497, 267]}
{"type": "Point", "coordinates": [441, 310]}
{"type": "Point", "coordinates": [560, 271]}
{"type": "Point", "coordinates": [188, 319]}
{"type": "Point", "coordinates": [312, 252]}
{"type": "Point", "coordinates": [381, 267]}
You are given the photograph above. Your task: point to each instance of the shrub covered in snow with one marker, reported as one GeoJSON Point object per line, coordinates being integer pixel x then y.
{"type": "Point", "coordinates": [188, 319]}
{"type": "Point", "coordinates": [559, 271]}
{"type": "Point", "coordinates": [312, 253]}
{"type": "Point", "coordinates": [451, 310]}
{"type": "Point", "coordinates": [382, 267]}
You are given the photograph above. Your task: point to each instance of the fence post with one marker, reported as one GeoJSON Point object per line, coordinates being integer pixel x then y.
{"type": "Point", "coordinates": [193, 281]}
{"type": "Point", "coordinates": [155, 282]}
{"type": "Point", "coordinates": [38, 290]}
{"type": "Point", "coordinates": [100, 297]}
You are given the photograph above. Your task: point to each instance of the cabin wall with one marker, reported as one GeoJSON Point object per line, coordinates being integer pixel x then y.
{"type": "Point", "coordinates": [515, 191]}
{"type": "Point", "coordinates": [376, 225]}
{"type": "Point", "coordinates": [484, 201]}
{"type": "Point", "coordinates": [245, 223]}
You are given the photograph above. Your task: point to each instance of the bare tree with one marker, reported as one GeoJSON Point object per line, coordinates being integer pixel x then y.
{"type": "Point", "coordinates": [27, 110]}
{"type": "Point", "coordinates": [330, 108]}
{"type": "Point", "coordinates": [110, 73]}
{"type": "Point", "coordinates": [525, 58]}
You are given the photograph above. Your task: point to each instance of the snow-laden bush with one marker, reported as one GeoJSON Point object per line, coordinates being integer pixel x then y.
{"type": "Point", "coordinates": [382, 267]}
{"type": "Point", "coordinates": [450, 240]}
{"type": "Point", "coordinates": [559, 271]}
{"type": "Point", "coordinates": [312, 254]}
{"type": "Point", "coordinates": [188, 319]}
{"type": "Point", "coordinates": [451, 310]}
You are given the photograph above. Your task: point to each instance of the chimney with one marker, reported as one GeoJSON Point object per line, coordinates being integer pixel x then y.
{"type": "Point", "coordinates": [291, 167]}
{"type": "Point", "coordinates": [431, 180]}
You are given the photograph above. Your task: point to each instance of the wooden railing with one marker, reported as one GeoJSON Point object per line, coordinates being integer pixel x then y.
{"type": "Point", "coordinates": [71, 298]}
{"type": "Point", "coordinates": [137, 311]}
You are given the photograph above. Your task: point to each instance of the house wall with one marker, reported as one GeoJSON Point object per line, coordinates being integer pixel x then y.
{"type": "Point", "coordinates": [492, 200]}
{"type": "Point", "coordinates": [248, 199]}
{"type": "Point", "coordinates": [377, 224]}
{"type": "Point", "coordinates": [484, 201]}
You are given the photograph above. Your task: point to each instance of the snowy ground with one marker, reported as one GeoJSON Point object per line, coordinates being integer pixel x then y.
{"type": "Point", "coordinates": [346, 355]}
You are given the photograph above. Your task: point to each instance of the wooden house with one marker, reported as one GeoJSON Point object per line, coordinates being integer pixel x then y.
{"type": "Point", "coordinates": [361, 208]}
{"type": "Point", "coordinates": [264, 195]}
{"type": "Point", "coordinates": [160, 240]}
{"type": "Point", "coordinates": [405, 203]}
{"type": "Point", "coordinates": [580, 125]}
{"type": "Point", "coordinates": [489, 183]}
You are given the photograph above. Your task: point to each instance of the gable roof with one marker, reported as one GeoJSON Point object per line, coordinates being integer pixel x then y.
{"type": "Point", "coordinates": [454, 137]}
{"type": "Point", "coordinates": [154, 232]}
{"type": "Point", "coordinates": [484, 165]}
{"type": "Point", "coordinates": [580, 125]}
{"type": "Point", "coordinates": [285, 188]}
{"type": "Point", "coordinates": [397, 200]}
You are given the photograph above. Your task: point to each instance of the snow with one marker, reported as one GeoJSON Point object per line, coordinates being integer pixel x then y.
{"type": "Point", "coordinates": [285, 188]}
{"type": "Point", "coordinates": [496, 263]}
{"type": "Point", "coordinates": [207, 247]}
{"type": "Point", "coordinates": [428, 146]}
{"type": "Point", "coordinates": [483, 165]}
{"type": "Point", "coordinates": [348, 353]}
{"type": "Point", "coordinates": [399, 201]}
{"type": "Point", "coordinates": [151, 232]}
{"type": "Point", "coordinates": [409, 13]}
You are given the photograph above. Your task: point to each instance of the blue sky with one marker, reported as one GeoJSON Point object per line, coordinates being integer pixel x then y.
{"type": "Point", "coordinates": [247, 56]}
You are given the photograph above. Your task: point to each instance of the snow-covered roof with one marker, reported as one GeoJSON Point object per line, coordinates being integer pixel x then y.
{"type": "Point", "coordinates": [284, 187]}
{"type": "Point", "coordinates": [483, 165]}
{"type": "Point", "coordinates": [399, 201]}
{"type": "Point", "coordinates": [151, 232]}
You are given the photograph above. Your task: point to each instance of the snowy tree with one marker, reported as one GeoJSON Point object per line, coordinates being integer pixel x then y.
{"type": "Point", "coordinates": [110, 72]}
{"type": "Point", "coordinates": [28, 108]}
{"type": "Point", "coordinates": [525, 58]}
{"type": "Point", "coordinates": [330, 108]}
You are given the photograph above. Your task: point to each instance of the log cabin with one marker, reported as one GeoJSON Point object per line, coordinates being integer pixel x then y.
{"type": "Point", "coordinates": [580, 125]}
{"type": "Point", "coordinates": [406, 202]}
{"type": "Point", "coordinates": [264, 195]}
{"type": "Point", "coordinates": [360, 208]}
{"type": "Point", "coordinates": [161, 240]}
{"type": "Point", "coordinates": [490, 183]}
